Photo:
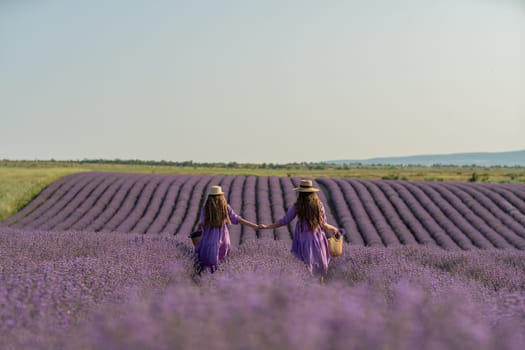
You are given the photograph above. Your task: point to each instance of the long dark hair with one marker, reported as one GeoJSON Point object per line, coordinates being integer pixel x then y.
{"type": "Point", "coordinates": [308, 207]}
{"type": "Point", "coordinates": [216, 211]}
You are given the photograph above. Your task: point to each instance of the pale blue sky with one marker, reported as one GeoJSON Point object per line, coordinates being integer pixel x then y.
{"type": "Point", "coordinates": [260, 81]}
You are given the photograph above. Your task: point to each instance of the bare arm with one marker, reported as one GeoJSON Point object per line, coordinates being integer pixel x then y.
{"type": "Point", "coordinates": [249, 223]}
{"type": "Point", "coordinates": [331, 228]}
{"type": "Point", "coordinates": [271, 226]}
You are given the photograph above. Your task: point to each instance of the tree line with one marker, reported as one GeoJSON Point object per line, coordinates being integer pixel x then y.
{"type": "Point", "coordinates": [233, 165]}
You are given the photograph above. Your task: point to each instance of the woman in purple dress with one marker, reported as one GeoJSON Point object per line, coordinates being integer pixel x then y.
{"type": "Point", "coordinates": [215, 216]}
{"type": "Point", "coordinates": [309, 241]}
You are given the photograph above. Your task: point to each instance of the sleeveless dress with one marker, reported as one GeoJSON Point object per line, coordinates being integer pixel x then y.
{"type": "Point", "coordinates": [214, 244]}
{"type": "Point", "coordinates": [309, 246]}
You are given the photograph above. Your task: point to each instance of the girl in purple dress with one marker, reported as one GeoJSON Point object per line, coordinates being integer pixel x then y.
{"type": "Point", "coordinates": [309, 241]}
{"type": "Point", "coordinates": [215, 216]}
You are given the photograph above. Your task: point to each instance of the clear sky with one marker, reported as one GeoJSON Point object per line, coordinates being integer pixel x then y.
{"type": "Point", "coordinates": [260, 81]}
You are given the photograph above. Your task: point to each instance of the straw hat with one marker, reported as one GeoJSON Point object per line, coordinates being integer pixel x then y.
{"type": "Point", "coordinates": [215, 190]}
{"type": "Point", "coordinates": [306, 186]}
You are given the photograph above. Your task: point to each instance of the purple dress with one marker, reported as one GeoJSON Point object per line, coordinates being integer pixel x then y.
{"type": "Point", "coordinates": [307, 245]}
{"type": "Point", "coordinates": [214, 244]}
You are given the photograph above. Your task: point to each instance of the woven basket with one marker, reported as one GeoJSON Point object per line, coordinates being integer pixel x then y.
{"type": "Point", "coordinates": [195, 237]}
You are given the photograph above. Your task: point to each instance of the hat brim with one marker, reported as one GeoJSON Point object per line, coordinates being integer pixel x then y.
{"type": "Point", "coordinates": [215, 194]}
{"type": "Point", "coordinates": [306, 189]}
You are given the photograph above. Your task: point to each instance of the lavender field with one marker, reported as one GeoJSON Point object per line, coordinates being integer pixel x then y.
{"type": "Point", "coordinates": [102, 261]}
{"type": "Point", "coordinates": [462, 216]}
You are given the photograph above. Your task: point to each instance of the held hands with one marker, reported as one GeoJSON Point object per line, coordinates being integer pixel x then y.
{"type": "Point", "coordinates": [264, 226]}
{"type": "Point", "coordinates": [255, 226]}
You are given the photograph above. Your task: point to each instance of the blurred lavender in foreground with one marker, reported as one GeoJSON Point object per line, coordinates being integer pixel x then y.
{"type": "Point", "coordinates": [121, 291]}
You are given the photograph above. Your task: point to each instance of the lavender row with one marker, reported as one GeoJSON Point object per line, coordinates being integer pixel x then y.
{"type": "Point", "coordinates": [502, 210]}
{"type": "Point", "coordinates": [287, 187]}
{"type": "Point", "coordinates": [381, 225]}
{"type": "Point", "coordinates": [424, 217]}
{"type": "Point", "coordinates": [235, 200]}
{"type": "Point", "coordinates": [183, 214]}
{"type": "Point", "coordinates": [367, 229]}
{"type": "Point", "coordinates": [343, 215]}
{"type": "Point", "coordinates": [459, 216]}
{"type": "Point", "coordinates": [167, 205]}
{"type": "Point", "coordinates": [139, 206]}
{"type": "Point", "coordinates": [127, 205]}
{"type": "Point", "coordinates": [444, 222]}
{"type": "Point", "coordinates": [154, 205]}
{"type": "Point", "coordinates": [391, 216]}
{"type": "Point", "coordinates": [108, 209]}
{"type": "Point", "coordinates": [278, 208]}
{"type": "Point", "coordinates": [264, 206]}
{"type": "Point", "coordinates": [408, 217]}
{"type": "Point", "coordinates": [249, 210]}
{"type": "Point", "coordinates": [39, 218]}
{"type": "Point", "coordinates": [49, 202]}
{"type": "Point", "coordinates": [328, 209]}
{"type": "Point", "coordinates": [472, 199]}
{"type": "Point", "coordinates": [88, 212]}
{"type": "Point", "coordinates": [179, 206]}
{"type": "Point", "coordinates": [78, 205]}
{"type": "Point", "coordinates": [517, 202]}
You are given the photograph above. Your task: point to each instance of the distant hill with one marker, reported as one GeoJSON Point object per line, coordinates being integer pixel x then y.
{"type": "Point", "coordinates": [488, 159]}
